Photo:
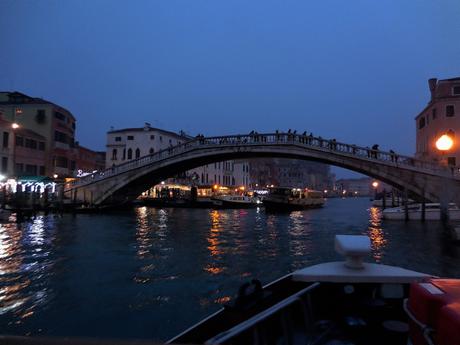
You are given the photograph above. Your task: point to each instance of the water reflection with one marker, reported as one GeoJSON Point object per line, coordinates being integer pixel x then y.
{"type": "Point", "coordinates": [376, 234]}
{"type": "Point", "coordinates": [25, 266]}
{"type": "Point", "coordinates": [214, 242]}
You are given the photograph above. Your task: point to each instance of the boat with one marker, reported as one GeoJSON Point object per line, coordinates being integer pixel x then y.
{"type": "Point", "coordinates": [346, 302]}
{"type": "Point", "coordinates": [234, 201]}
{"type": "Point", "coordinates": [389, 202]}
{"type": "Point", "coordinates": [291, 199]}
{"type": "Point", "coordinates": [432, 212]}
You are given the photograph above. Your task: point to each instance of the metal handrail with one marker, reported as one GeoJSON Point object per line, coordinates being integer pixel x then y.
{"type": "Point", "coordinates": [307, 141]}
{"type": "Point", "coordinates": [257, 319]}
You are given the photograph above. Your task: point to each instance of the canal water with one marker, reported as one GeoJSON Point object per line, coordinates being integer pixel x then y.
{"type": "Point", "coordinates": [149, 273]}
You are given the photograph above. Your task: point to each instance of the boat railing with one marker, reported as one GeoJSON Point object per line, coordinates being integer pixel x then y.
{"type": "Point", "coordinates": [255, 323]}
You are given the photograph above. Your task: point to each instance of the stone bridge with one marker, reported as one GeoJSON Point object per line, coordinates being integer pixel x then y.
{"type": "Point", "coordinates": [125, 182]}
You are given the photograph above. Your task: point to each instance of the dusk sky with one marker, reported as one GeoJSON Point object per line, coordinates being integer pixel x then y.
{"type": "Point", "coordinates": [352, 70]}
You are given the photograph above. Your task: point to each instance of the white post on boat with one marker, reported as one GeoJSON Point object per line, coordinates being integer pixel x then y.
{"type": "Point", "coordinates": [354, 248]}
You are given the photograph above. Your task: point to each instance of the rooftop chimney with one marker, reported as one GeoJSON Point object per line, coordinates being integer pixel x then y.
{"type": "Point", "coordinates": [432, 84]}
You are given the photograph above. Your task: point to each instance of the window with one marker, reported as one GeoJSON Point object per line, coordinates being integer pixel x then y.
{"type": "Point", "coordinates": [456, 90]}
{"type": "Point", "coordinates": [450, 110]}
{"type": "Point", "coordinates": [73, 125]}
{"type": "Point", "coordinates": [161, 138]}
{"type": "Point", "coordinates": [152, 137]}
{"type": "Point", "coordinates": [41, 116]}
{"type": "Point", "coordinates": [130, 154]}
{"type": "Point", "coordinates": [4, 164]}
{"type": "Point", "coordinates": [42, 170]}
{"type": "Point", "coordinates": [130, 137]}
{"type": "Point", "coordinates": [60, 137]}
{"type": "Point", "coordinates": [59, 116]}
{"type": "Point", "coordinates": [421, 122]}
{"type": "Point", "coordinates": [61, 162]}
{"type": "Point", "coordinates": [41, 146]}
{"type": "Point", "coordinates": [117, 138]}
{"type": "Point", "coordinates": [19, 141]}
{"type": "Point", "coordinates": [151, 151]}
{"type": "Point", "coordinates": [19, 169]}
{"type": "Point", "coordinates": [31, 169]}
{"type": "Point", "coordinates": [138, 153]}
{"type": "Point", "coordinates": [6, 138]}
{"type": "Point", "coordinates": [114, 154]}
{"type": "Point", "coordinates": [433, 113]}
{"type": "Point", "coordinates": [170, 141]}
{"type": "Point", "coordinates": [451, 161]}
{"type": "Point", "coordinates": [124, 154]}
{"type": "Point", "coordinates": [31, 144]}
{"type": "Point", "coordinates": [72, 165]}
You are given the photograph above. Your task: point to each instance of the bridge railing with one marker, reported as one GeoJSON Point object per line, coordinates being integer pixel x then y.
{"type": "Point", "coordinates": [277, 138]}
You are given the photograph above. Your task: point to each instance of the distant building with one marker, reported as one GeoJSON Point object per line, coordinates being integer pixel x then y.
{"type": "Point", "coordinates": [440, 116]}
{"type": "Point", "coordinates": [360, 187]}
{"type": "Point", "coordinates": [124, 145]}
{"type": "Point", "coordinates": [290, 173]}
{"type": "Point", "coordinates": [88, 161]}
{"type": "Point", "coordinates": [40, 121]}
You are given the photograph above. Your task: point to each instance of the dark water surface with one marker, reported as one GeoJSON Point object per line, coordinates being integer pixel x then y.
{"type": "Point", "coordinates": [149, 273]}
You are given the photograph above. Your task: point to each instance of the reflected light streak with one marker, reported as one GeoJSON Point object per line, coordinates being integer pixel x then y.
{"type": "Point", "coordinates": [376, 234]}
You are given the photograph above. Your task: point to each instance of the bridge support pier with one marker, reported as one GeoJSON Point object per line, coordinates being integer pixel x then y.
{"type": "Point", "coordinates": [423, 209]}
{"type": "Point", "coordinates": [406, 206]}
{"type": "Point", "coordinates": [384, 201]}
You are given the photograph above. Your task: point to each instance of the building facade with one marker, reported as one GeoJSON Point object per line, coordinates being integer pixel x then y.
{"type": "Point", "coordinates": [130, 143]}
{"type": "Point", "coordinates": [289, 173]}
{"type": "Point", "coordinates": [39, 121]}
{"type": "Point", "coordinates": [440, 116]}
{"type": "Point", "coordinates": [88, 161]}
{"type": "Point", "coordinates": [22, 151]}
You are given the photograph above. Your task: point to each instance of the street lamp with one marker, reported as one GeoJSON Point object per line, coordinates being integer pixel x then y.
{"type": "Point", "coordinates": [14, 126]}
{"type": "Point", "coordinates": [444, 143]}
{"type": "Point", "coordinates": [375, 184]}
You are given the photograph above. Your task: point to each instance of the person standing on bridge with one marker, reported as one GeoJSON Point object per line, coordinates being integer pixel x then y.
{"type": "Point", "coordinates": [375, 149]}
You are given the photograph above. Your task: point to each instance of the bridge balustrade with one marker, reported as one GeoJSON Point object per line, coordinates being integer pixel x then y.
{"type": "Point", "coordinates": [307, 141]}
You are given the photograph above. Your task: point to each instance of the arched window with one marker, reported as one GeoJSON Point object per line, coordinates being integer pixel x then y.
{"type": "Point", "coordinates": [130, 154]}
{"type": "Point", "coordinates": [152, 151]}
{"type": "Point", "coordinates": [233, 181]}
{"type": "Point", "coordinates": [124, 154]}
{"type": "Point", "coordinates": [138, 153]}
{"type": "Point", "coordinates": [114, 154]}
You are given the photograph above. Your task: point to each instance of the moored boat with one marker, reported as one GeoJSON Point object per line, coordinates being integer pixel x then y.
{"type": "Point", "coordinates": [347, 302]}
{"type": "Point", "coordinates": [290, 199]}
{"type": "Point", "coordinates": [432, 212]}
{"type": "Point", "coordinates": [233, 201]}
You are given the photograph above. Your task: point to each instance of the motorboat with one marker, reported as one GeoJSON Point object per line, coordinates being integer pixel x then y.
{"type": "Point", "coordinates": [289, 199]}
{"type": "Point", "coordinates": [350, 302]}
{"type": "Point", "coordinates": [414, 211]}
{"type": "Point", "coordinates": [234, 201]}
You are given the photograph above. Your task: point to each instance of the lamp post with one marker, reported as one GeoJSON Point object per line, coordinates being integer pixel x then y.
{"type": "Point", "coordinates": [14, 126]}
{"type": "Point", "coordinates": [375, 184]}
{"type": "Point", "coordinates": [444, 144]}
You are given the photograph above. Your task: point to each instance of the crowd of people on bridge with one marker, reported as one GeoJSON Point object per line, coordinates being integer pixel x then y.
{"type": "Point", "coordinates": [290, 135]}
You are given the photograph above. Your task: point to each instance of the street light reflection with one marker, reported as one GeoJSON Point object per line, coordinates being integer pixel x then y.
{"type": "Point", "coordinates": [376, 234]}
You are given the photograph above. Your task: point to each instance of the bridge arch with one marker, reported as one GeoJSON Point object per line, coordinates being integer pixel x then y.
{"type": "Point", "coordinates": [127, 181]}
